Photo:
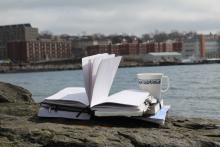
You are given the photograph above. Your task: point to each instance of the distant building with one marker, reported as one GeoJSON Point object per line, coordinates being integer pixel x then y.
{"type": "Point", "coordinates": [163, 57]}
{"type": "Point", "coordinates": [96, 49]}
{"type": "Point", "coordinates": [82, 45]}
{"type": "Point", "coordinates": [191, 48]}
{"type": "Point", "coordinates": [15, 33]}
{"type": "Point", "coordinates": [118, 49]}
{"type": "Point", "coordinates": [123, 48]}
{"type": "Point", "coordinates": [177, 46]}
{"type": "Point", "coordinates": [152, 47]}
{"type": "Point", "coordinates": [166, 46]}
{"type": "Point", "coordinates": [212, 48]}
{"type": "Point", "coordinates": [135, 48]}
{"type": "Point", "coordinates": [115, 49]}
{"type": "Point", "coordinates": [39, 51]}
{"type": "Point", "coordinates": [201, 47]}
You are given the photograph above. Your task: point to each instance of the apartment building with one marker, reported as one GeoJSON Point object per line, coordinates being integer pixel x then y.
{"type": "Point", "coordinates": [39, 51]}
{"type": "Point", "coordinates": [212, 47]}
{"type": "Point", "coordinates": [135, 48]}
{"type": "Point", "coordinates": [15, 32]}
{"type": "Point", "coordinates": [82, 45]}
{"type": "Point", "coordinates": [201, 47]}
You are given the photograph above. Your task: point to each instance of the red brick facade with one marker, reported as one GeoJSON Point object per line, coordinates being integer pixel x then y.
{"type": "Point", "coordinates": [118, 49]}
{"type": "Point", "coordinates": [37, 51]}
{"type": "Point", "coordinates": [135, 48]}
{"type": "Point", "coordinates": [177, 46]}
{"type": "Point", "coordinates": [40, 51]}
{"type": "Point", "coordinates": [202, 46]}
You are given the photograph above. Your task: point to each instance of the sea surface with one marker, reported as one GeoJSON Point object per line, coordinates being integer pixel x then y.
{"type": "Point", "coordinates": [194, 89]}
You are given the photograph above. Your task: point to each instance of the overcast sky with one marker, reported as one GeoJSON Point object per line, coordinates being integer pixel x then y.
{"type": "Point", "coordinates": [133, 17]}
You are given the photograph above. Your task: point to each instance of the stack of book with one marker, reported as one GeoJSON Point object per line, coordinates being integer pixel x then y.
{"type": "Point", "coordinates": [93, 100]}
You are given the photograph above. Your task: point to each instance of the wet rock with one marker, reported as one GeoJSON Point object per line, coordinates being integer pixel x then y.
{"type": "Point", "coordinates": [14, 94]}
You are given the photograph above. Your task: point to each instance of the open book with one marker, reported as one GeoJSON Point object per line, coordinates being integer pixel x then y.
{"type": "Point", "coordinates": [80, 102]}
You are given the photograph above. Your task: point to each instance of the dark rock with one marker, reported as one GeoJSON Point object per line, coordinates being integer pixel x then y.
{"type": "Point", "coordinates": [14, 94]}
{"type": "Point", "coordinates": [21, 109]}
{"type": "Point", "coordinates": [20, 127]}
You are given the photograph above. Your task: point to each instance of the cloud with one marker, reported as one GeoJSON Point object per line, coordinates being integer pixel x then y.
{"type": "Point", "coordinates": [115, 16]}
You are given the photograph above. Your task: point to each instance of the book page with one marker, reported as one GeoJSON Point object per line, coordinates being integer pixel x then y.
{"type": "Point", "coordinates": [86, 69]}
{"type": "Point", "coordinates": [87, 72]}
{"type": "Point", "coordinates": [104, 79]}
{"type": "Point", "coordinates": [130, 97]}
{"type": "Point", "coordinates": [95, 66]}
{"type": "Point", "coordinates": [77, 94]}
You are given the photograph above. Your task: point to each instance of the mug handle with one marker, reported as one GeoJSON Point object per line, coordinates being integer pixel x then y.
{"type": "Point", "coordinates": [168, 84]}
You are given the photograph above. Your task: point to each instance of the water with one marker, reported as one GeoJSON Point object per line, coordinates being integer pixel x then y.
{"type": "Point", "coordinates": [194, 90]}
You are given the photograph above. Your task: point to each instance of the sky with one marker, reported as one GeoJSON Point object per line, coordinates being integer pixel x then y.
{"type": "Point", "coordinates": [133, 17]}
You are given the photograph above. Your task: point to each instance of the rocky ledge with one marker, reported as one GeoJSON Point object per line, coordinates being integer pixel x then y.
{"type": "Point", "coordinates": [19, 126]}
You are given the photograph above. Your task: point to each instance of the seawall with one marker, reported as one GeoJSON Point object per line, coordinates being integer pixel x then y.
{"type": "Point", "coordinates": [74, 65]}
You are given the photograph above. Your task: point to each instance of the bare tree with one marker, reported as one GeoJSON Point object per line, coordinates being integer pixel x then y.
{"type": "Point", "coordinates": [46, 34]}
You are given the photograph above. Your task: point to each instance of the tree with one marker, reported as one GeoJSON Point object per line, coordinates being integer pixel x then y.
{"type": "Point", "coordinates": [46, 34]}
{"type": "Point", "coordinates": [160, 37]}
{"type": "Point", "coordinates": [146, 37]}
{"type": "Point", "coordinates": [175, 35]}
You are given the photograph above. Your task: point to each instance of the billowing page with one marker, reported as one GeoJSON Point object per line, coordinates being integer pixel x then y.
{"type": "Point", "coordinates": [95, 66]}
{"type": "Point", "coordinates": [87, 72]}
{"type": "Point", "coordinates": [104, 79]}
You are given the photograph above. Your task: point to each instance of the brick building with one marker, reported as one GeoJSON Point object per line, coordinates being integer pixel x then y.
{"type": "Point", "coordinates": [202, 45]}
{"type": "Point", "coordinates": [81, 46]}
{"type": "Point", "coordinates": [123, 49]}
{"type": "Point", "coordinates": [135, 48]}
{"type": "Point", "coordinates": [165, 46]}
{"type": "Point", "coordinates": [115, 49]}
{"type": "Point", "coordinates": [15, 32]}
{"type": "Point", "coordinates": [96, 49]}
{"type": "Point", "coordinates": [38, 51]}
{"type": "Point", "coordinates": [143, 48]}
{"type": "Point", "coordinates": [105, 48]}
{"type": "Point", "coordinates": [177, 46]}
{"type": "Point", "coordinates": [118, 49]}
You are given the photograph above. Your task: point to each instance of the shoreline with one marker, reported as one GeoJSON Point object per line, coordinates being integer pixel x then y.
{"type": "Point", "coordinates": [61, 66]}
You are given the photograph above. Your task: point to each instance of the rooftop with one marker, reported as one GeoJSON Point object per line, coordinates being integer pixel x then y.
{"type": "Point", "coordinates": [165, 54]}
{"type": "Point", "coordinates": [16, 25]}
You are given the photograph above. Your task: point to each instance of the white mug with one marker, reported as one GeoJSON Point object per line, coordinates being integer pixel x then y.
{"type": "Point", "coordinates": [152, 82]}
